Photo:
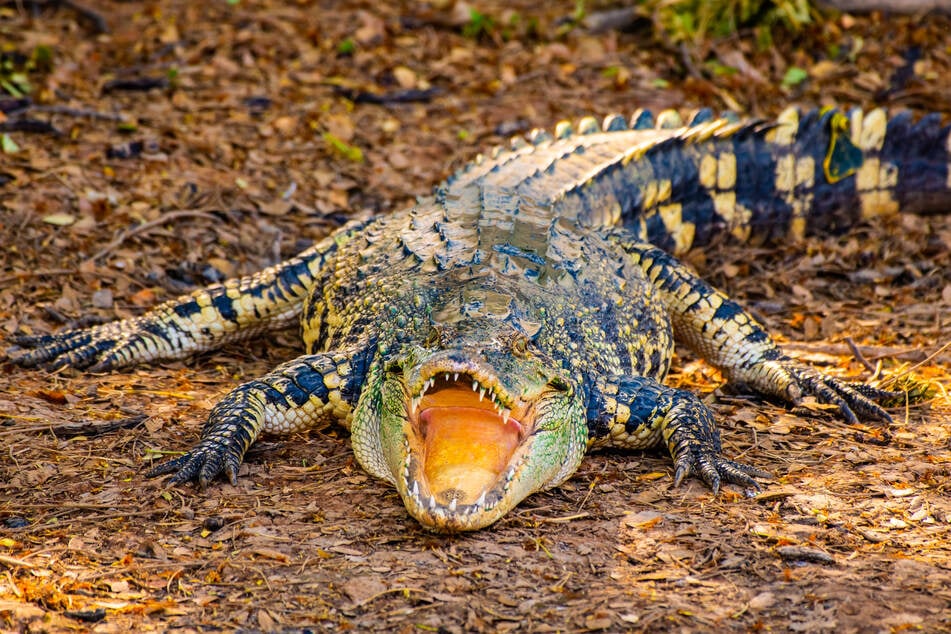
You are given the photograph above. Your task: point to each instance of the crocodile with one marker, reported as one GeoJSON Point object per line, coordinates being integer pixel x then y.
{"type": "Point", "coordinates": [478, 343]}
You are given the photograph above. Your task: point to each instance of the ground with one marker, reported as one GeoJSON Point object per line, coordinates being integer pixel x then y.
{"type": "Point", "coordinates": [195, 141]}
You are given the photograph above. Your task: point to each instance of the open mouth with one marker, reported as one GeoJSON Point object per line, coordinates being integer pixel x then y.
{"type": "Point", "coordinates": [465, 437]}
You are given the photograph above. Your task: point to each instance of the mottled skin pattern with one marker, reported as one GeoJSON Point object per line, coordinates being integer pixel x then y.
{"type": "Point", "coordinates": [478, 343]}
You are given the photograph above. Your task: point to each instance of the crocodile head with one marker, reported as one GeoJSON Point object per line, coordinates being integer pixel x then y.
{"type": "Point", "coordinates": [466, 433]}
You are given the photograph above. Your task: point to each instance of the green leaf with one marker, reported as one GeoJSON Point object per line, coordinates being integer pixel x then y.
{"type": "Point", "coordinates": [349, 152]}
{"type": "Point", "coordinates": [478, 24]}
{"type": "Point", "coordinates": [42, 58]}
{"type": "Point", "coordinates": [11, 89]}
{"type": "Point", "coordinates": [794, 76]}
{"type": "Point", "coordinates": [347, 47]}
{"type": "Point", "coordinates": [8, 145]}
{"type": "Point", "coordinates": [580, 12]}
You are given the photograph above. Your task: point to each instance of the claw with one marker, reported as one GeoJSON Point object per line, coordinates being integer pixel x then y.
{"type": "Point", "coordinates": [716, 470]}
{"type": "Point", "coordinates": [680, 473]}
{"type": "Point", "coordinates": [231, 471]}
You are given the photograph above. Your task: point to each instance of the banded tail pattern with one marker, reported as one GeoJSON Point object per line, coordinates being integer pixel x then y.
{"type": "Point", "coordinates": [680, 186]}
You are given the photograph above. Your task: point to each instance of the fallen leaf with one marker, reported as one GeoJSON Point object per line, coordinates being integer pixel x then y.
{"type": "Point", "coordinates": [60, 219]}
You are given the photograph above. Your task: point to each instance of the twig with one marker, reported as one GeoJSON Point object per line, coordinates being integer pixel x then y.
{"type": "Point", "coordinates": [802, 553]}
{"type": "Point", "coordinates": [872, 353]}
{"type": "Point", "coordinates": [10, 106]}
{"type": "Point", "coordinates": [890, 6]}
{"type": "Point", "coordinates": [22, 275]}
{"type": "Point", "coordinates": [34, 126]}
{"type": "Point", "coordinates": [80, 112]}
{"type": "Point", "coordinates": [136, 84]}
{"type": "Point", "coordinates": [98, 23]}
{"type": "Point", "coordinates": [610, 20]}
{"type": "Point", "coordinates": [79, 506]}
{"type": "Point", "coordinates": [412, 95]}
{"type": "Point", "coordinates": [383, 593]}
{"type": "Point", "coordinates": [148, 226]}
{"type": "Point", "coordinates": [564, 518]}
{"type": "Point", "coordinates": [687, 59]}
{"type": "Point", "coordinates": [858, 354]}
{"type": "Point", "coordinates": [71, 430]}
{"type": "Point", "coordinates": [931, 356]}
{"type": "Point", "coordinates": [13, 562]}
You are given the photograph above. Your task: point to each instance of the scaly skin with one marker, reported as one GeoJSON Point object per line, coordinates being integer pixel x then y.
{"type": "Point", "coordinates": [479, 343]}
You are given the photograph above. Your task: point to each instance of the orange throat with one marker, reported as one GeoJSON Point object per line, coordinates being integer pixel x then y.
{"type": "Point", "coordinates": [466, 443]}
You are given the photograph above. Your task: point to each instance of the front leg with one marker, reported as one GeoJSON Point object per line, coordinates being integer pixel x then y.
{"type": "Point", "coordinates": [301, 394]}
{"type": "Point", "coordinates": [723, 333]}
{"type": "Point", "coordinates": [637, 412]}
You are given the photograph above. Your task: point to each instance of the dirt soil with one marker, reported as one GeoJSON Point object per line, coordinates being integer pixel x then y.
{"type": "Point", "coordinates": [196, 141]}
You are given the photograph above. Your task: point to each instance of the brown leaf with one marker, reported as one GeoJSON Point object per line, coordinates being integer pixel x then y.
{"type": "Point", "coordinates": [363, 587]}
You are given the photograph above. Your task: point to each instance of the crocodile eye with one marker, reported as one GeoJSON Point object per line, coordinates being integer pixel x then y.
{"type": "Point", "coordinates": [520, 346]}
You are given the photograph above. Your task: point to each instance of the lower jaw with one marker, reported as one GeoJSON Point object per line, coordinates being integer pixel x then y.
{"type": "Point", "coordinates": [441, 520]}
{"type": "Point", "coordinates": [448, 518]}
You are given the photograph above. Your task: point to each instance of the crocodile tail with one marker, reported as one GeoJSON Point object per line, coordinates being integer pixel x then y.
{"type": "Point", "coordinates": [818, 172]}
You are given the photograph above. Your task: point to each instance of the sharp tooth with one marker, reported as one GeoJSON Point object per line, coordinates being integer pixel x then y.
{"type": "Point", "coordinates": [455, 376]}
{"type": "Point", "coordinates": [415, 489]}
{"type": "Point", "coordinates": [505, 416]}
{"type": "Point", "coordinates": [481, 394]}
{"type": "Point", "coordinates": [447, 377]}
{"type": "Point", "coordinates": [452, 505]}
{"type": "Point", "coordinates": [432, 501]}
{"type": "Point", "coordinates": [475, 385]}
{"type": "Point", "coordinates": [480, 501]}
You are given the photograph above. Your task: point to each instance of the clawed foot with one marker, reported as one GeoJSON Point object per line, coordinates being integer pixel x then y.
{"type": "Point", "coordinates": [232, 426]}
{"type": "Point", "coordinates": [202, 464]}
{"type": "Point", "coordinates": [792, 380]}
{"type": "Point", "coordinates": [694, 443]}
{"type": "Point", "coordinates": [713, 469]}
{"type": "Point", "coordinates": [98, 349]}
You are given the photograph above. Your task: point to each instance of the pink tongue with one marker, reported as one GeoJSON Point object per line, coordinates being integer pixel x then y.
{"type": "Point", "coordinates": [467, 448]}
